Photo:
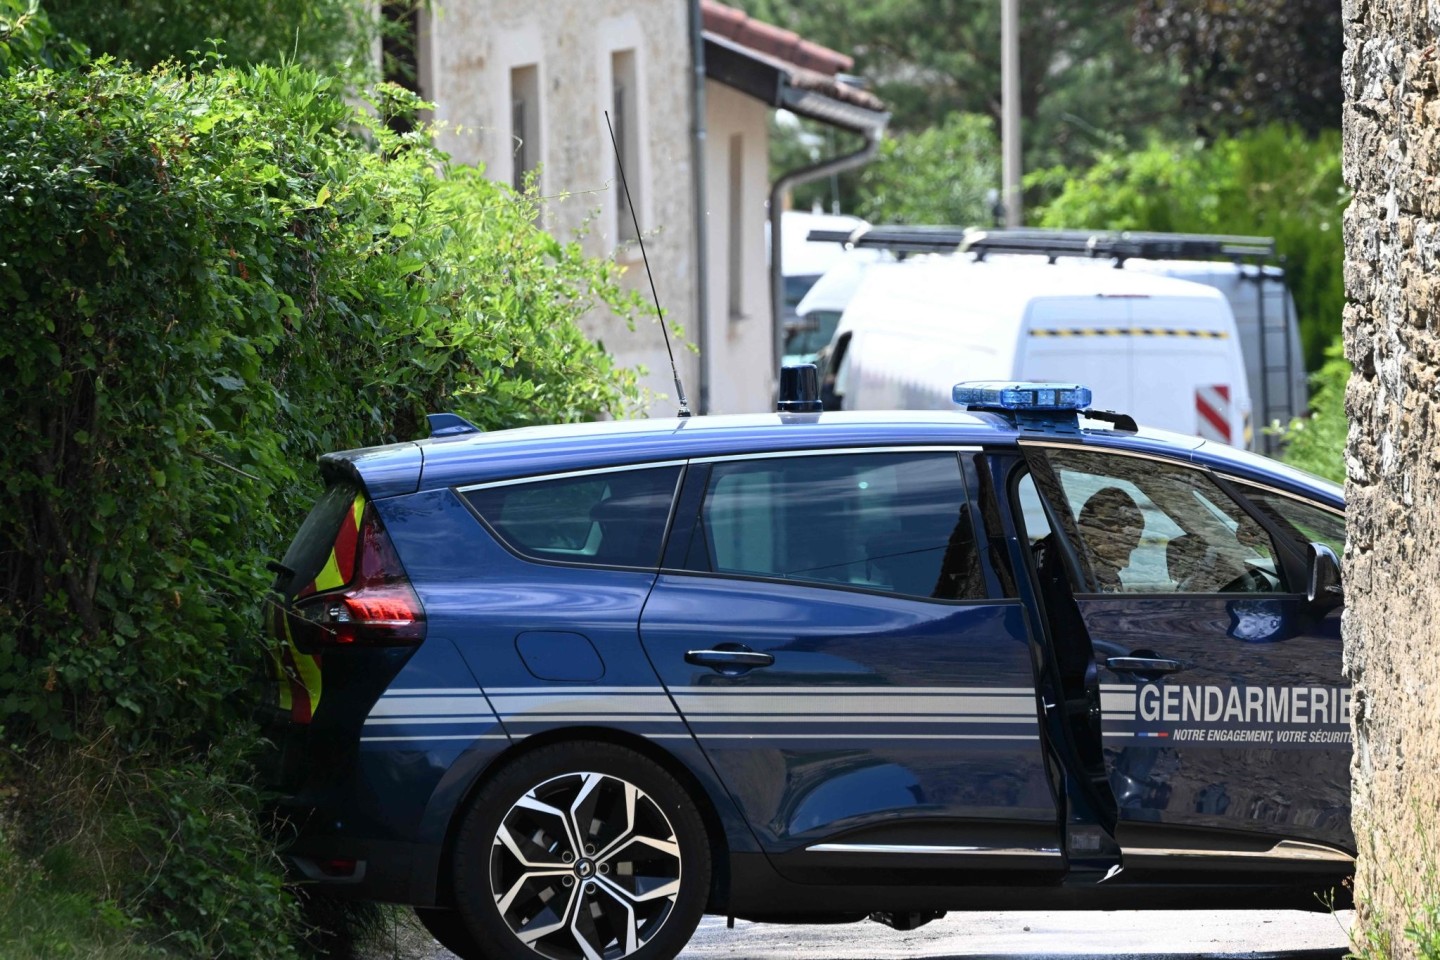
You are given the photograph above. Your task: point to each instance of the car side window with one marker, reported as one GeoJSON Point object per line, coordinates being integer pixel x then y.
{"type": "Point", "coordinates": [613, 518]}
{"type": "Point", "coordinates": [1305, 522]}
{"type": "Point", "coordinates": [1147, 526]}
{"type": "Point", "coordinates": [897, 523]}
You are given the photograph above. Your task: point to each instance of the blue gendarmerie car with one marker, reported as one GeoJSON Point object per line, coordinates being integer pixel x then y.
{"type": "Point", "coordinates": [565, 689]}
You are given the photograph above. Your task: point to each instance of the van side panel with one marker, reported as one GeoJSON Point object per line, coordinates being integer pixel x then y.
{"type": "Point", "coordinates": [1187, 368]}
{"type": "Point", "coordinates": [1172, 362]}
{"type": "Point", "coordinates": [1082, 340]}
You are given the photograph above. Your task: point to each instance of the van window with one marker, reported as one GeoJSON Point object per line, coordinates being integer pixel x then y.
{"type": "Point", "coordinates": [835, 374]}
{"type": "Point", "coordinates": [897, 523]}
{"type": "Point", "coordinates": [809, 335]}
{"type": "Point", "coordinates": [614, 518]}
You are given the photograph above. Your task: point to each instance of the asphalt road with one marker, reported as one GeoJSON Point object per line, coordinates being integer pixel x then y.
{"type": "Point", "coordinates": [1132, 935]}
{"type": "Point", "coordinates": [1120, 933]}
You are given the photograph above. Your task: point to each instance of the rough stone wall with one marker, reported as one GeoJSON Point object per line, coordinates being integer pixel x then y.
{"type": "Point", "coordinates": [1392, 564]}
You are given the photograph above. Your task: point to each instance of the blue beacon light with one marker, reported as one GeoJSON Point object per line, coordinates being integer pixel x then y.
{"type": "Point", "coordinates": [1002, 395]}
{"type": "Point", "coordinates": [1042, 407]}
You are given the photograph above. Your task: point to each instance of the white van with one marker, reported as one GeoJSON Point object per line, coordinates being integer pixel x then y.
{"type": "Point", "coordinates": [818, 313]}
{"type": "Point", "coordinates": [1276, 365]}
{"type": "Point", "coordinates": [1164, 350]}
{"type": "Point", "coordinates": [803, 260]}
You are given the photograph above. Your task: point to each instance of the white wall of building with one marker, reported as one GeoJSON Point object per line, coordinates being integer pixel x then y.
{"type": "Point", "coordinates": [469, 50]}
{"type": "Point", "coordinates": [737, 157]}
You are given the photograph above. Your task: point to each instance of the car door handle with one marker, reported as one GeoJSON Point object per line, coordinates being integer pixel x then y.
{"type": "Point", "coordinates": [1144, 665]}
{"type": "Point", "coordinates": [726, 657]}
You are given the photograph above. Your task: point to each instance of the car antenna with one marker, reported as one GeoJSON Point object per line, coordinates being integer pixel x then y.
{"type": "Point", "coordinates": [659, 314]}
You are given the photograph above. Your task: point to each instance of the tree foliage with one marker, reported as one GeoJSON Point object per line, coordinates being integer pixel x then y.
{"type": "Point", "coordinates": [1273, 182]}
{"type": "Point", "coordinates": [208, 278]}
{"type": "Point", "coordinates": [1317, 442]}
{"type": "Point", "coordinates": [945, 174]}
{"type": "Point", "coordinates": [27, 38]}
{"type": "Point", "coordinates": [1084, 85]}
{"type": "Point", "coordinates": [1250, 62]}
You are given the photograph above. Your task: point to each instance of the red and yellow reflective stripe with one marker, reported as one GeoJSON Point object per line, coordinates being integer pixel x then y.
{"type": "Point", "coordinates": [299, 673]}
{"type": "Point", "coordinates": [340, 565]}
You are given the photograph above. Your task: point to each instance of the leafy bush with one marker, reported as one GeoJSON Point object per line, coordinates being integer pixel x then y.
{"type": "Point", "coordinates": [1317, 442]}
{"type": "Point", "coordinates": [1273, 182]}
{"type": "Point", "coordinates": [208, 279]}
{"type": "Point", "coordinates": [333, 36]}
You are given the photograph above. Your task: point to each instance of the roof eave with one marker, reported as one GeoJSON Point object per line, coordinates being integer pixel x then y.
{"type": "Point", "coordinates": [836, 113]}
{"type": "Point", "coordinates": [773, 83]}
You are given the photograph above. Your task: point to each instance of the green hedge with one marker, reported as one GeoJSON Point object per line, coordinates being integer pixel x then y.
{"type": "Point", "coordinates": [207, 279]}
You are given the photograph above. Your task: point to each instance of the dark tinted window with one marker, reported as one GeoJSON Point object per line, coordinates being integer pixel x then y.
{"type": "Point", "coordinates": [809, 336]}
{"type": "Point", "coordinates": [615, 518]}
{"type": "Point", "coordinates": [1145, 526]}
{"type": "Point", "coordinates": [1304, 521]}
{"type": "Point", "coordinates": [892, 522]}
{"type": "Point", "coordinates": [311, 547]}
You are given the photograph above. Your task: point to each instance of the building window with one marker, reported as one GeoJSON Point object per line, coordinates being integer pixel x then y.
{"type": "Point", "coordinates": [735, 228]}
{"type": "Point", "coordinates": [524, 123]}
{"type": "Point", "coordinates": [625, 118]}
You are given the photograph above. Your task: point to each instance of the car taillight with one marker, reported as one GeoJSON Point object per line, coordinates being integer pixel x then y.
{"type": "Point", "coordinates": [377, 608]}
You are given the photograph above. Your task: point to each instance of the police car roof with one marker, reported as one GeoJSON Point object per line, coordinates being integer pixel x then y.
{"type": "Point", "coordinates": [529, 451]}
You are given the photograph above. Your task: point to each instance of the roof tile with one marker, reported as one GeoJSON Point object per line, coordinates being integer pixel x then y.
{"type": "Point", "coordinates": [767, 38]}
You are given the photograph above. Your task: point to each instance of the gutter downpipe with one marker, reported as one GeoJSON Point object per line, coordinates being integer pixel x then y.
{"type": "Point", "coordinates": [698, 143]}
{"type": "Point", "coordinates": [794, 178]}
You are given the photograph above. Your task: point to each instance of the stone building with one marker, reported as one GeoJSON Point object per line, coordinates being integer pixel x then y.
{"type": "Point", "coordinates": [1392, 566]}
{"type": "Point", "coordinates": [523, 89]}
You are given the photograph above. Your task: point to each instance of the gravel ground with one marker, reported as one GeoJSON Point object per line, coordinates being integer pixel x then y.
{"type": "Point", "coordinates": [1163, 935]}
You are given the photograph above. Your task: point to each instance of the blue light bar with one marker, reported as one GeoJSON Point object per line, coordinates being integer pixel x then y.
{"type": "Point", "coordinates": [1021, 396]}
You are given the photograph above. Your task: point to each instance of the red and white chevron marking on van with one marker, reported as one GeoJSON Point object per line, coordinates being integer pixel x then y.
{"type": "Point", "coordinates": [1212, 412]}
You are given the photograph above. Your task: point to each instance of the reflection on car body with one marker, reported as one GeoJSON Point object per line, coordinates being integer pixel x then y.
{"type": "Point", "coordinates": [565, 689]}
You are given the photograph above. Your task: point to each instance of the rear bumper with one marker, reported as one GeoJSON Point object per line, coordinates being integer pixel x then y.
{"type": "Point", "coordinates": [364, 869]}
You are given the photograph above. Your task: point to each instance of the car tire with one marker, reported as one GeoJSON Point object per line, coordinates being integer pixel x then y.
{"type": "Point", "coordinates": [449, 930]}
{"type": "Point", "coordinates": [581, 850]}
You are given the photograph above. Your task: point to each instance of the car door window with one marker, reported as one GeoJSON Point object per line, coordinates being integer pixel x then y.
{"type": "Point", "coordinates": [1306, 522]}
{"type": "Point", "coordinates": [897, 523]}
{"type": "Point", "coordinates": [1147, 526]}
{"type": "Point", "coordinates": [611, 518]}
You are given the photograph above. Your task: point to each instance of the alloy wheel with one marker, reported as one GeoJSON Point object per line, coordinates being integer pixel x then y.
{"type": "Point", "coordinates": [585, 866]}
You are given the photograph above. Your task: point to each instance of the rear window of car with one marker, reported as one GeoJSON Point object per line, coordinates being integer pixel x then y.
{"type": "Point", "coordinates": [311, 547]}
{"type": "Point", "coordinates": [612, 518]}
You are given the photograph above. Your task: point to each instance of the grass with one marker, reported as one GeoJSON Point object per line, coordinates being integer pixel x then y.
{"type": "Point", "coordinates": [43, 917]}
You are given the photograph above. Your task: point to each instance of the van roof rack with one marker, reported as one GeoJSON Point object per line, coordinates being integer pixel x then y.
{"type": "Point", "coordinates": [1256, 259]}
{"type": "Point", "coordinates": [1100, 245]}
